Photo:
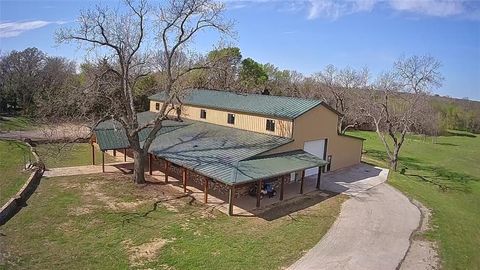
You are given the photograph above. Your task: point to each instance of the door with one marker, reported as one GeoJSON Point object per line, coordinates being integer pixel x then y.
{"type": "Point", "coordinates": [316, 148]}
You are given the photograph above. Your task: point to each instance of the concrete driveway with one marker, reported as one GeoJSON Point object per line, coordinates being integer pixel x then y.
{"type": "Point", "coordinates": [374, 227]}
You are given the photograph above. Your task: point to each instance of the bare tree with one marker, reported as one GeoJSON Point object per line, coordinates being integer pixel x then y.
{"type": "Point", "coordinates": [122, 35]}
{"type": "Point", "coordinates": [398, 99]}
{"type": "Point", "coordinates": [342, 86]}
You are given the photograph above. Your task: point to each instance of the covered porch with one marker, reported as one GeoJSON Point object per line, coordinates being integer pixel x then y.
{"type": "Point", "coordinates": [219, 163]}
{"type": "Point", "coordinates": [236, 198]}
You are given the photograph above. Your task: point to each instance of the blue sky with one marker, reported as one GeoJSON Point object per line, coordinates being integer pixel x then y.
{"type": "Point", "coordinates": [303, 35]}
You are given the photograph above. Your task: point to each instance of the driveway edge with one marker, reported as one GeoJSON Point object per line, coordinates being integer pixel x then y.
{"type": "Point", "coordinates": [421, 253]}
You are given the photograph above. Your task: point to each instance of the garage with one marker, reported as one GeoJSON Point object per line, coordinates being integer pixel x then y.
{"type": "Point", "coordinates": [317, 148]}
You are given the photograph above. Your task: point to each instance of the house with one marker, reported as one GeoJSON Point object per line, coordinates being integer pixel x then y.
{"type": "Point", "coordinates": [229, 141]}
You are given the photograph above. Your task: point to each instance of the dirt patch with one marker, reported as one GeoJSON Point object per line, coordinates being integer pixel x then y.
{"type": "Point", "coordinates": [116, 192]}
{"type": "Point", "coordinates": [422, 254]}
{"type": "Point", "coordinates": [141, 254]}
{"type": "Point", "coordinates": [68, 227]}
{"type": "Point", "coordinates": [69, 184]}
{"type": "Point", "coordinates": [82, 210]}
{"type": "Point", "coordinates": [95, 189]}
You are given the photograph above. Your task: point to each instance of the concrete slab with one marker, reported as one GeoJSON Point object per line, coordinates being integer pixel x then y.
{"type": "Point", "coordinates": [354, 180]}
{"type": "Point", "coordinates": [374, 227]}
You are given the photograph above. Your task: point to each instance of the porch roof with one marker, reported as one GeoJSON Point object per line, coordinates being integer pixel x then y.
{"type": "Point", "coordinates": [225, 154]}
{"type": "Point", "coordinates": [276, 165]}
{"type": "Point", "coordinates": [212, 150]}
{"type": "Point", "coordinates": [111, 135]}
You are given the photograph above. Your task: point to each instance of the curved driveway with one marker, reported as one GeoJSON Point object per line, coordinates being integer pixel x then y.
{"type": "Point", "coordinates": [374, 227]}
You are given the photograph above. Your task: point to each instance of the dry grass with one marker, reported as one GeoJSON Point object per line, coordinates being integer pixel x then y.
{"type": "Point", "coordinates": [107, 222]}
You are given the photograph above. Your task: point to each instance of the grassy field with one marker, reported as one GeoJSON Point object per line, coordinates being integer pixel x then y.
{"type": "Point", "coordinates": [15, 123]}
{"type": "Point", "coordinates": [444, 176]}
{"type": "Point", "coordinates": [12, 177]}
{"type": "Point", "coordinates": [14, 155]}
{"type": "Point", "coordinates": [67, 155]}
{"type": "Point", "coordinates": [106, 222]}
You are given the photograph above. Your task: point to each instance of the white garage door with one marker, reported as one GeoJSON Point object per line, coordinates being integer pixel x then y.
{"type": "Point", "coordinates": [316, 148]}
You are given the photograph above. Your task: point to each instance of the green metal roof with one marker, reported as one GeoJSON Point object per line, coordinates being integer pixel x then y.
{"type": "Point", "coordinates": [275, 165]}
{"type": "Point", "coordinates": [276, 106]}
{"type": "Point", "coordinates": [224, 154]}
{"type": "Point", "coordinates": [109, 139]}
{"type": "Point", "coordinates": [212, 150]}
{"type": "Point", "coordinates": [110, 134]}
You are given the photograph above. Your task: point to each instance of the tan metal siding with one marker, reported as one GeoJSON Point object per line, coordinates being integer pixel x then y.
{"type": "Point", "coordinates": [254, 123]}
{"type": "Point", "coordinates": [321, 123]}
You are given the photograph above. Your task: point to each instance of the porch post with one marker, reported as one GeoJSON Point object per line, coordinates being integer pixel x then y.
{"type": "Point", "coordinates": [231, 194]}
{"type": "Point", "coordinates": [319, 175]}
{"type": "Point", "coordinates": [205, 191]}
{"type": "Point", "coordinates": [93, 154]}
{"type": "Point", "coordinates": [184, 176]}
{"type": "Point", "coordinates": [114, 152]}
{"type": "Point", "coordinates": [125, 154]}
{"type": "Point", "coordinates": [282, 183]}
{"type": "Point", "coordinates": [301, 182]}
{"type": "Point", "coordinates": [259, 187]}
{"type": "Point", "coordinates": [103, 161]}
{"type": "Point", "coordinates": [166, 171]}
{"type": "Point", "coordinates": [149, 163]}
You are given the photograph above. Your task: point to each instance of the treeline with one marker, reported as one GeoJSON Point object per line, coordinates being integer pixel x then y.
{"type": "Point", "coordinates": [29, 79]}
{"type": "Point", "coordinates": [458, 114]}
{"type": "Point", "coordinates": [41, 86]}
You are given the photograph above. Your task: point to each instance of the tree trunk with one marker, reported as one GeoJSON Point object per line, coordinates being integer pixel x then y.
{"type": "Point", "coordinates": [394, 160]}
{"type": "Point", "coordinates": [394, 164]}
{"type": "Point", "coordinates": [139, 166]}
{"type": "Point", "coordinates": [340, 125]}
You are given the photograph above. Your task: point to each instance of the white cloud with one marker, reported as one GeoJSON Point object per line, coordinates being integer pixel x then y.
{"type": "Point", "coordinates": [13, 29]}
{"type": "Point", "coordinates": [333, 9]}
{"type": "Point", "coordinates": [430, 7]}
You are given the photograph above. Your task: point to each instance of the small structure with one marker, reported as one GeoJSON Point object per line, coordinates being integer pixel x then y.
{"type": "Point", "coordinates": [230, 141]}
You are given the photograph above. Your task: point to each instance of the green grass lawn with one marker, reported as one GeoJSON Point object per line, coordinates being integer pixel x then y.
{"type": "Point", "coordinates": [444, 176]}
{"type": "Point", "coordinates": [15, 123]}
{"type": "Point", "coordinates": [12, 177]}
{"type": "Point", "coordinates": [66, 155]}
{"type": "Point", "coordinates": [106, 222]}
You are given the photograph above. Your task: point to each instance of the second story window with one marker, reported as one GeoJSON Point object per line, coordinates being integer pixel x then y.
{"type": "Point", "coordinates": [270, 125]}
{"type": "Point", "coordinates": [157, 106]}
{"type": "Point", "coordinates": [203, 114]}
{"type": "Point", "coordinates": [231, 118]}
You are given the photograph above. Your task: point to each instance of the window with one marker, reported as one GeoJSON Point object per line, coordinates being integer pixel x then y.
{"type": "Point", "coordinates": [231, 118]}
{"type": "Point", "coordinates": [203, 114]}
{"type": "Point", "coordinates": [157, 106]}
{"type": "Point", "coordinates": [270, 125]}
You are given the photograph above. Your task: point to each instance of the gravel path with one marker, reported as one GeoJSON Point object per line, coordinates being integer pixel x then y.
{"type": "Point", "coordinates": [374, 227]}
{"type": "Point", "coordinates": [49, 133]}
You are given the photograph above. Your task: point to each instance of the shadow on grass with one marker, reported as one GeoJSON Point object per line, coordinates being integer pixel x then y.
{"type": "Point", "coordinates": [442, 178]}
{"type": "Point", "coordinates": [460, 133]}
{"type": "Point", "coordinates": [446, 144]}
{"type": "Point", "coordinates": [438, 176]}
{"type": "Point", "coordinates": [138, 216]}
